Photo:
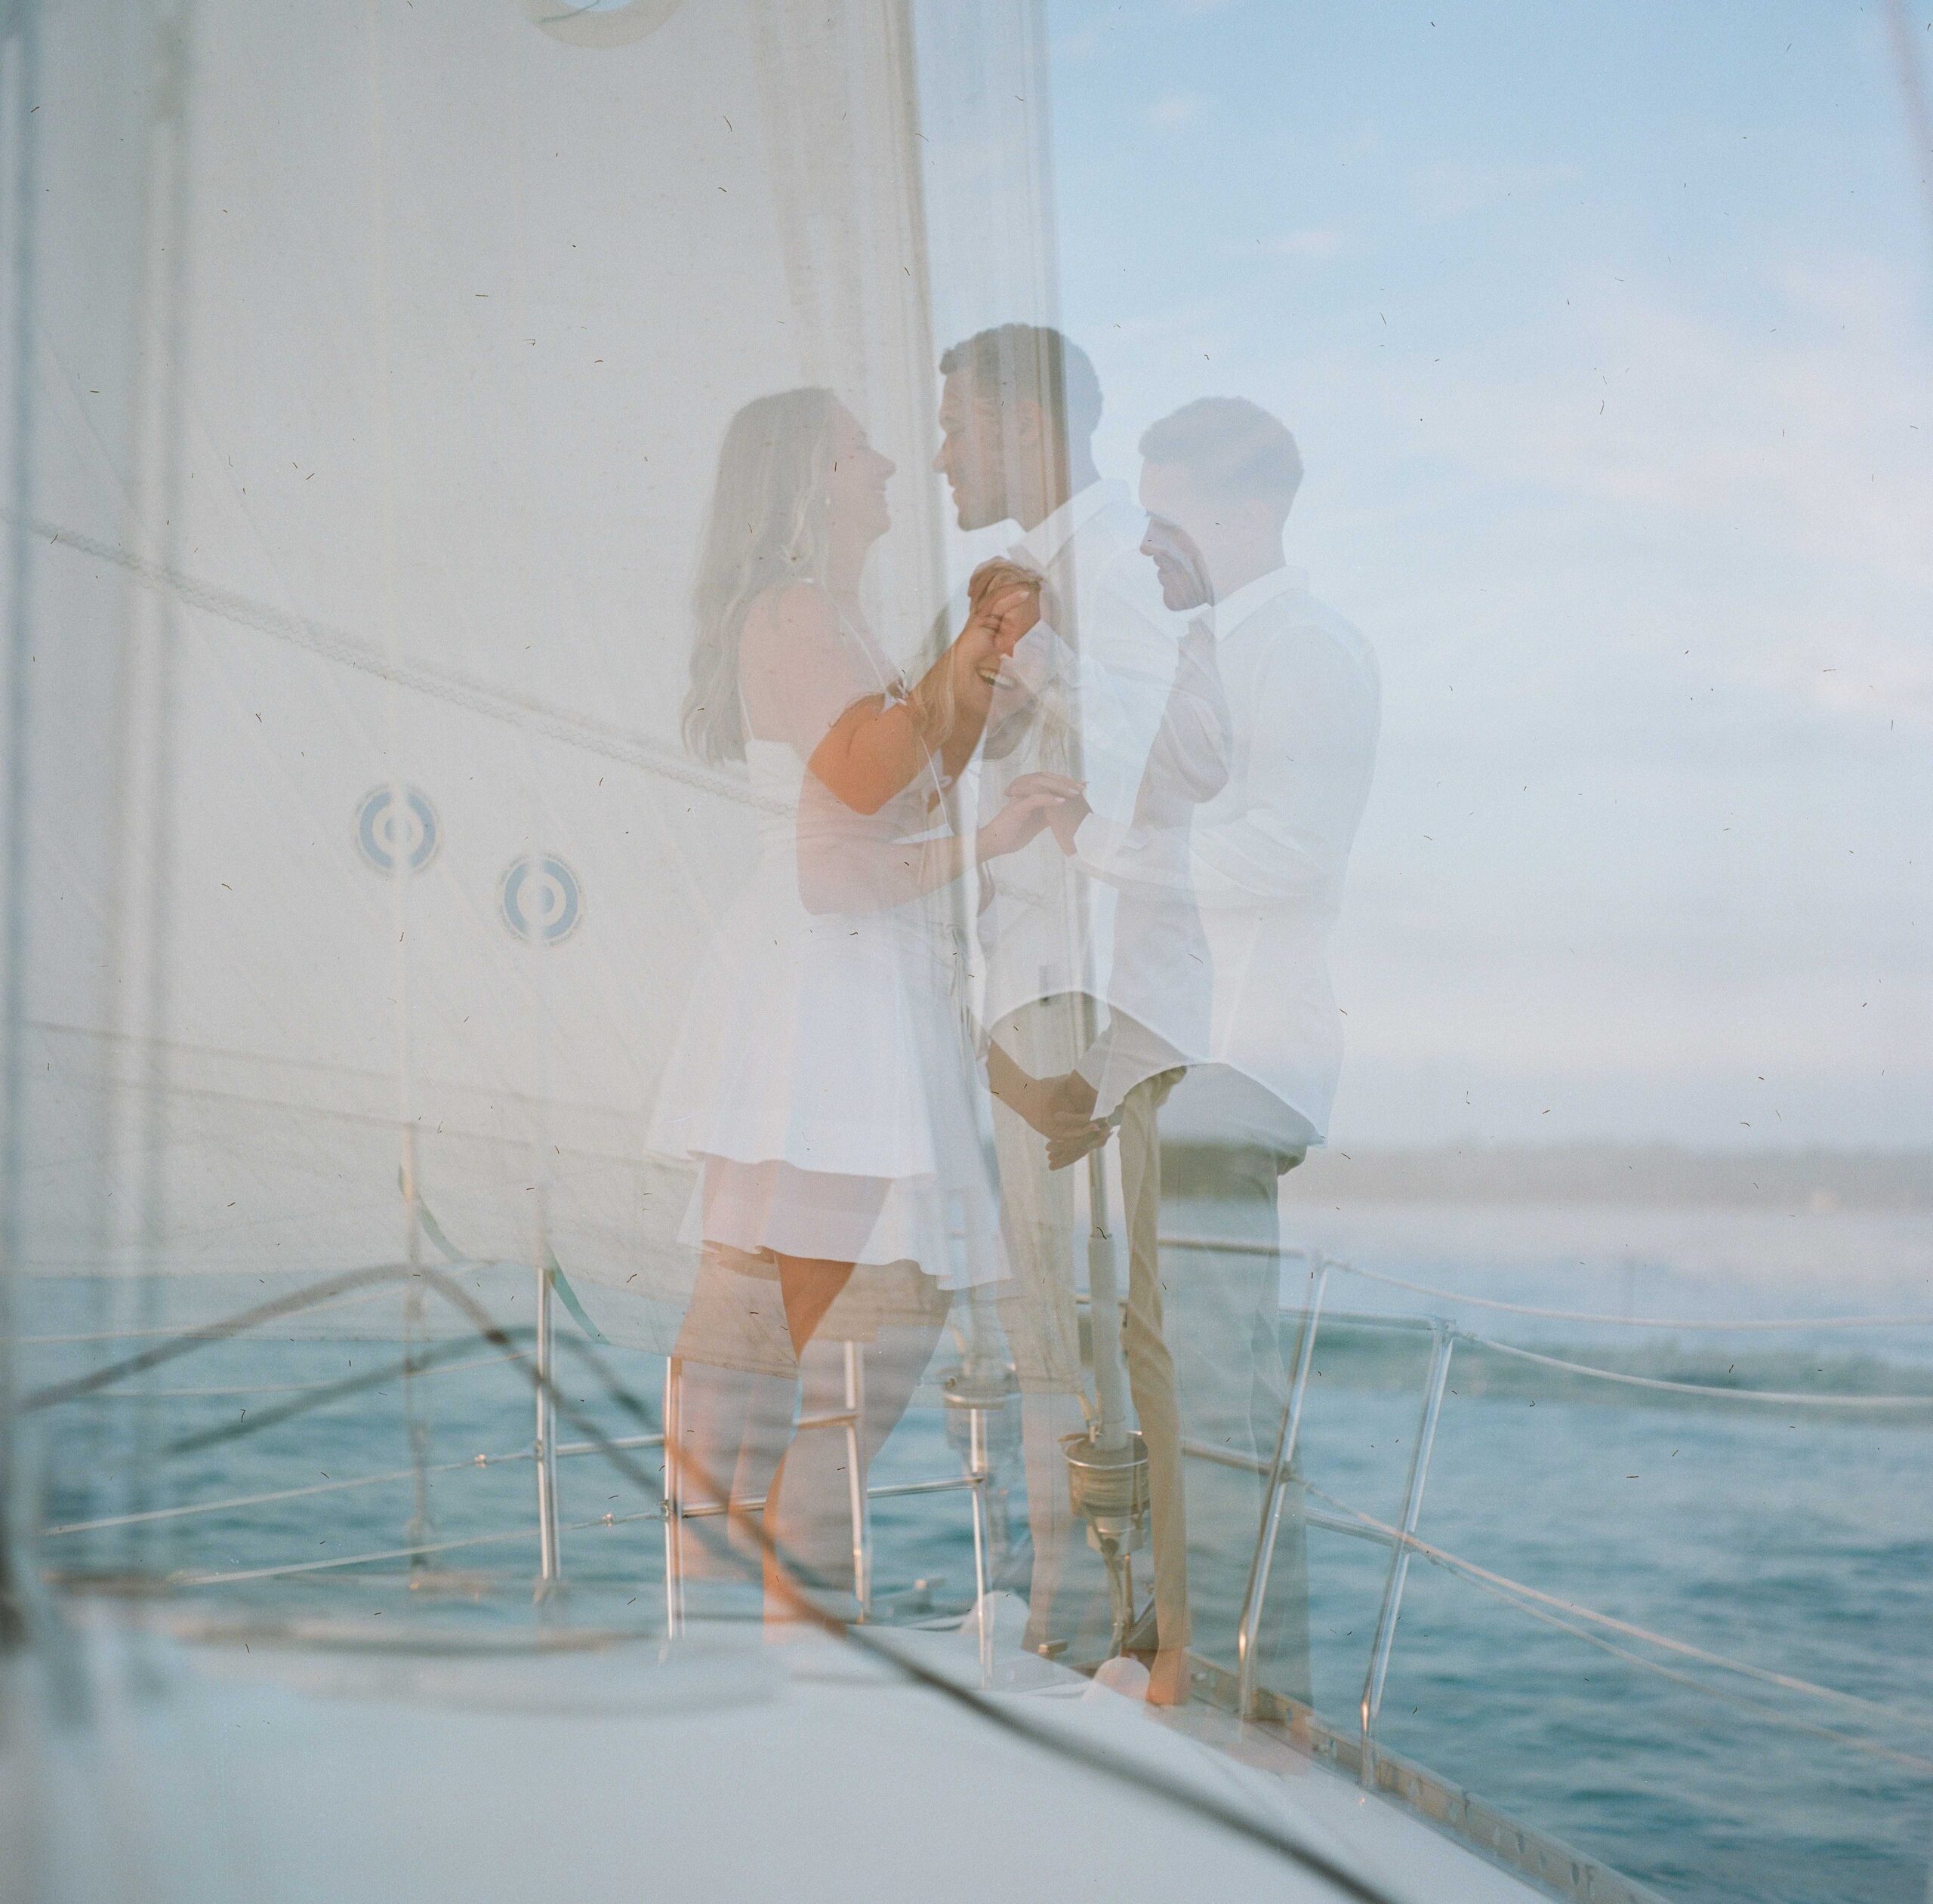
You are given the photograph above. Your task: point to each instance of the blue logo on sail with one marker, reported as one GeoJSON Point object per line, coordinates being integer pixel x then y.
{"type": "Point", "coordinates": [541, 899]}
{"type": "Point", "coordinates": [397, 832]}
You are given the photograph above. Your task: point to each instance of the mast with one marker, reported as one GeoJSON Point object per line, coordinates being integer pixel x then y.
{"type": "Point", "coordinates": [22, 48]}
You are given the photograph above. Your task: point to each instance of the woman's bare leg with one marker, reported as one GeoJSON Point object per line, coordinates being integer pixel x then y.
{"type": "Point", "coordinates": [817, 1530]}
{"type": "Point", "coordinates": [809, 1285]}
{"type": "Point", "coordinates": [734, 1428]}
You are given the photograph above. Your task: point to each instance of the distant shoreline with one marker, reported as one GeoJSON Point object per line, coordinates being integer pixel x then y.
{"type": "Point", "coordinates": [1814, 1180]}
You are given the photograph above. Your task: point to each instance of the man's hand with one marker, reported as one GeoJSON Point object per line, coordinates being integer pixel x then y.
{"type": "Point", "coordinates": [1061, 1109]}
{"type": "Point", "coordinates": [1026, 814]}
{"type": "Point", "coordinates": [1065, 819]}
{"type": "Point", "coordinates": [1065, 1118]}
{"type": "Point", "coordinates": [1063, 1150]}
{"type": "Point", "coordinates": [1005, 606]}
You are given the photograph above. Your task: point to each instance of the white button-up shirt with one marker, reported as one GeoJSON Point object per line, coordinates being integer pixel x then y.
{"type": "Point", "coordinates": [1097, 673]}
{"type": "Point", "coordinates": [1159, 990]}
{"type": "Point", "coordinates": [1270, 851]}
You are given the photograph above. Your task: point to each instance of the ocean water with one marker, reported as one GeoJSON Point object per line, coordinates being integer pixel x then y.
{"type": "Point", "coordinates": [1795, 1539]}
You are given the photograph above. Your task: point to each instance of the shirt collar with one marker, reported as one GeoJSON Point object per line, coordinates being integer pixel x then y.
{"type": "Point", "coordinates": [1230, 614]}
{"type": "Point", "coordinates": [1042, 544]}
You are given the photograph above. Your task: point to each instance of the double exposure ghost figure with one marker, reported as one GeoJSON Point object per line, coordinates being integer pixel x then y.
{"type": "Point", "coordinates": [1268, 853]}
{"type": "Point", "coordinates": [823, 1081]}
{"type": "Point", "coordinates": [1095, 989]}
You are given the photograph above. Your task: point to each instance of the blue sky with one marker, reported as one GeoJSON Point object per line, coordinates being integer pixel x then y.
{"type": "Point", "coordinates": [1608, 336]}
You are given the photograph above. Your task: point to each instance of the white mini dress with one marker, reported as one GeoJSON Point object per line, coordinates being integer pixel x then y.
{"type": "Point", "coordinates": [825, 1077]}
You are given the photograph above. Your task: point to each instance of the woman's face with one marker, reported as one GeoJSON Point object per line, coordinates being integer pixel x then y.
{"type": "Point", "coordinates": [856, 487]}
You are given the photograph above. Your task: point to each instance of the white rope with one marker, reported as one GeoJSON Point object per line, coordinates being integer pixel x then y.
{"type": "Point", "coordinates": [278, 1494]}
{"type": "Point", "coordinates": [1796, 1398]}
{"type": "Point", "coordinates": [1454, 1563]}
{"type": "Point", "coordinates": [197, 1332]}
{"type": "Point", "coordinates": [1228, 1246]}
{"type": "Point", "coordinates": [405, 1553]}
{"type": "Point", "coordinates": [1762, 1708]}
{"type": "Point", "coordinates": [1903, 1321]}
{"type": "Point", "coordinates": [290, 1388]}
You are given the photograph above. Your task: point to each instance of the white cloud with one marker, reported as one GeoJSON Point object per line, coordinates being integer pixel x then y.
{"type": "Point", "coordinates": [1316, 243]}
{"type": "Point", "coordinates": [1448, 190]}
{"type": "Point", "coordinates": [1176, 109]}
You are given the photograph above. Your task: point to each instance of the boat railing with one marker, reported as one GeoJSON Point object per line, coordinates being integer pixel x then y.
{"type": "Point", "coordinates": [979, 1402]}
{"type": "Point", "coordinates": [1281, 1480]}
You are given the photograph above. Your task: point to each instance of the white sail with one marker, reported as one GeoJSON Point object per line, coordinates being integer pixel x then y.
{"type": "Point", "coordinates": [368, 406]}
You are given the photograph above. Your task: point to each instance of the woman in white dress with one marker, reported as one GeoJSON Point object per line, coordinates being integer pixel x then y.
{"type": "Point", "coordinates": [825, 1081]}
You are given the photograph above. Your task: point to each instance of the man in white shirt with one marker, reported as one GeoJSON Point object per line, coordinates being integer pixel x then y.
{"type": "Point", "coordinates": [1268, 855]}
{"type": "Point", "coordinates": [1099, 695]}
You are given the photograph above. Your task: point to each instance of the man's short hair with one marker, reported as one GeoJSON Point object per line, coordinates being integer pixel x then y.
{"type": "Point", "coordinates": [1230, 447]}
{"type": "Point", "coordinates": [1020, 362]}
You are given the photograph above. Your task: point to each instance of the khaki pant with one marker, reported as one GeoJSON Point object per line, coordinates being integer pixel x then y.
{"type": "Point", "coordinates": [1233, 1352]}
{"type": "Point", "coordinates": [1041, 1322]}
{"type": "Point", "coordinates": [1151, 1366]}
{"type": "Point", "coordinates": [1037, 1308]}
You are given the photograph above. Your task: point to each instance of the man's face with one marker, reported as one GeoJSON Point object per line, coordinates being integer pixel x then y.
{"type": "Point", "coordinates": [1168, 497]}
{"type": "Point", "coordinates": [971, 455]}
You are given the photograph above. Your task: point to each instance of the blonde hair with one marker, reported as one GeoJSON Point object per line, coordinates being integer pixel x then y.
{"type": "Point", "coordinates": [766, 527]}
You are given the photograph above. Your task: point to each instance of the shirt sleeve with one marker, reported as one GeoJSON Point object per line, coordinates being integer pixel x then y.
{"type": "Point", "coordinates": [1152, 860]}
{"type": "Point", "coordinates": [1310, 724]}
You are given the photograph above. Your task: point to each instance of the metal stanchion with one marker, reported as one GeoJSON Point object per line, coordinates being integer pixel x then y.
{"type": "Point", "coordinates": [674, 1498]}
{"type": "Point", "coordinates": [975, 1394]}
{"type": "Point", "coordinates": [549, 1560]}
{"type": "Point", "coordinates": [1248, 1631]}
{"type": "Point", "coordinates": [1443, 1340]}
{"type": "Point", "coordinates": [859, 1501]}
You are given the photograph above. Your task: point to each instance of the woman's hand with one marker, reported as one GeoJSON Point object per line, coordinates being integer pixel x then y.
{"type": "Point", "coordinates": [1024, 816]}
{"type": "Point", "coordinates": [1000, 572]}
{"type": "Point", "coordinates": [1004, 604]}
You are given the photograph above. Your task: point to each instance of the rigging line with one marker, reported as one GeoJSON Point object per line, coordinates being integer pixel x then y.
{"type": "Point", "coordinates": [605, 739]}
{"type": "Point", "coordinates": [1794, 1398]}
{"type": "Point", "coordinates": [315, 1296]}
{"type": "Point", "coordinates": [267, 1387]}
{"type": "Point", "coordinates": [1002, 1717]}
{"type": "Point", "coordinates": [1454, 1563]}
{"type": "Point", "coordinates": [588, 1162]}
{"type": "Point", "coordinates": [1905, 1319]}
{"type": "Point", "coordinates": [433, 1360]}
{"type": "Point", "coordinates": [1761, 1707]}
{"type": "Point", "coordinates": [284, 1570]}
{"type": "Point", "coordinates": [190, 1508]}
{"type": "Point", "coordinates": [193, 1332]}
{"type": "Point", "coordinates": [227, 1054]}
{"type": "Point", "coordinates": [578, 1110]}
{"type": "Point", "coordinates": [404, 1553]}
{"type": "Point", "coordinates": [1231, 1247]}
